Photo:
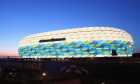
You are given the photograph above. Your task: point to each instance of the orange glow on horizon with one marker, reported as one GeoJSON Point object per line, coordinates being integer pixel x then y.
{"type": "Point", "coordinates": [3, 53]}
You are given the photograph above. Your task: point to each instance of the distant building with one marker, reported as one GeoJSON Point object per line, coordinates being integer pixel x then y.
{"type": "Point", "coordinates": [79, 42]}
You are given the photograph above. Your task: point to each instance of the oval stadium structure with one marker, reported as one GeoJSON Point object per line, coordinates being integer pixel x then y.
{"type": "Point", "coordinates": [79, 42]}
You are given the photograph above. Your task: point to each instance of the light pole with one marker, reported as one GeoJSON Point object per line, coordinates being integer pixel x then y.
{"type": "Point", "coordinates": [44, 78]}
{"type": "Point", "coordinates": [130, 46]}
{"type": "Point", "coordinates": [126, 50]}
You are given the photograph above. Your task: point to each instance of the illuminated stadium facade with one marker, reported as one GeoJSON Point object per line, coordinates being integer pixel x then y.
{"type": "Point", "coordinates": [79, 42]}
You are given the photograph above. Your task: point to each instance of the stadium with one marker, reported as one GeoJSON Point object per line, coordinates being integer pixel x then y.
{"type": "Point", "coordinates": [78, 43]}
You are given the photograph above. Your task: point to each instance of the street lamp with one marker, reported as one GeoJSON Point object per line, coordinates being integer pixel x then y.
{"type": "Point", "coordinates": [126, 51]}
{"type": "Point", "coordinates": [44, 78]}
{"type": "Point", "coordinates": [130, 46]}
{"type": "Point", "coordinates": [44, 74]}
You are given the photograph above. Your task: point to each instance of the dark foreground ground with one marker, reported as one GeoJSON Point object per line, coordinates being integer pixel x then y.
{"type": "Point", "coordinates": [102, 71]}
{"type": "Point", "coordinates": [111, 74]}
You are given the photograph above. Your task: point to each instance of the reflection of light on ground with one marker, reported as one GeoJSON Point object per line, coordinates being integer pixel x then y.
{"type": "Point", "coordinates": [102, 83]}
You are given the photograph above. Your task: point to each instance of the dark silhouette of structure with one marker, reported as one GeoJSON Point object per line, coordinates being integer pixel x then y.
{"type": "Point", "coordinates": [114, 53]}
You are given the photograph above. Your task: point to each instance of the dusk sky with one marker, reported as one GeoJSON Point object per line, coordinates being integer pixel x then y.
{"type": "Point", "coordinates": [20, 18]}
